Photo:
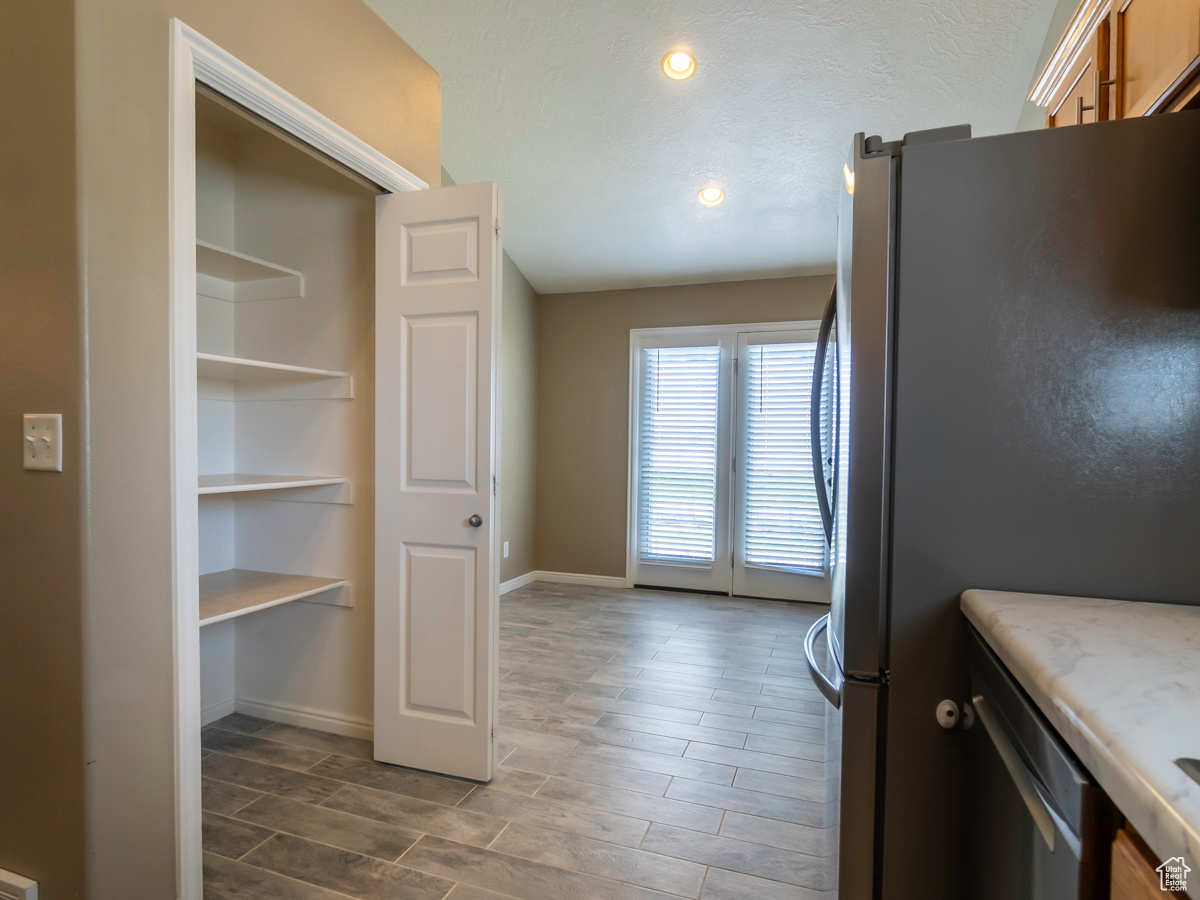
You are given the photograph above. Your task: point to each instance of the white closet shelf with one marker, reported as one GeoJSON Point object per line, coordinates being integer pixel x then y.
{"type": "Point", "coordinates": [228, 275]}
{"type": "Point", "coordinates": [237, 592]}
{"type": "Point", "coordinates": [239, 483]}
{"type": "Point", "coordinates": [233, 368]}
{"type": "Point", "coordinates": [255, 379]}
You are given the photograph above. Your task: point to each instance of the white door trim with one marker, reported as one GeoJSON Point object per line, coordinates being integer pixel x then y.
{"type": "Point", "coordinates": [195, 60]}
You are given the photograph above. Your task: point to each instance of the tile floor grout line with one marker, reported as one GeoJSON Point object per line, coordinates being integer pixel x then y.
{"type": "Point", "coordinates": [255, 847]}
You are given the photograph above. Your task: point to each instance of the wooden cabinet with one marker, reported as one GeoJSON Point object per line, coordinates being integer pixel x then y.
{"type": "Point", "coordinates": [1123, 58]}
{"type": "Point", "coordinates": [1134, 870]}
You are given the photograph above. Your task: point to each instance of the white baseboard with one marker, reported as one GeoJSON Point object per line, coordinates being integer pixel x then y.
{"type": "Point", "coordinates": [217, 709]}
{"type": "Point", "coordinates": [306, 717]}
{"type": "Point", "coordinates": [609, 581]}
{"type": "Point", "coordinates": [519, 582]}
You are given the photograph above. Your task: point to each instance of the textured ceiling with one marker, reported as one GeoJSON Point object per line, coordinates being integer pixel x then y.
{"type": "Point", "coordinates": [599, 156]}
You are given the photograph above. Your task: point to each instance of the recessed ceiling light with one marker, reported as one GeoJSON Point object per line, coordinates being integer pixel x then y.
{"type": "Point", "coordinates": [678, 64]}
{"type": "Point", "coordinates": [711, 196]}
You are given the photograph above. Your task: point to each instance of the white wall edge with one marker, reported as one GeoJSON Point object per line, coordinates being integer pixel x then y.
{"type": "Point", "coordinates": [306, 717]}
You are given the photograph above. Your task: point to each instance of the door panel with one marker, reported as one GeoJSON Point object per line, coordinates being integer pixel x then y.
{"type": "Point", "coordinates": [436, 630]}
{"type": "Point", "coordinates": [680, 452]}
{"type": "Point", "coordinates": [778, 540]}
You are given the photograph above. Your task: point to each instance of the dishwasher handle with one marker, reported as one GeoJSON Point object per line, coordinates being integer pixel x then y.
{"type": "Point", "coordinates": [832, 690]}
{"type": "Point", "coordinates": [1045, 816]}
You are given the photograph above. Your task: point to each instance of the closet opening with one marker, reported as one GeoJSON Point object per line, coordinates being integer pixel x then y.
{"type": "Point", "coordinates": [285, 428]}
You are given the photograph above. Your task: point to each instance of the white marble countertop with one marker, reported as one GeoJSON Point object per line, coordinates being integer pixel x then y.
{"type": "Point", "coordinates": [1120, 681]}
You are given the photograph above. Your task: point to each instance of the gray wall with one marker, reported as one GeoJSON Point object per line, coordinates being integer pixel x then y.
{"type": "Point", "coordinates": [518, 414]}
{"type": "Point", "coordinates": [583, 400]}
{"type": "Point", "coordinates": [518, 459]}
{"type": "Point", "coordinates": [41, 682]}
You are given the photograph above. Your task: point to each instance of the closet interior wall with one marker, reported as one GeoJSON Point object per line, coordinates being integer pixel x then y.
{"type": "Point", "coordinates": [308, 662]}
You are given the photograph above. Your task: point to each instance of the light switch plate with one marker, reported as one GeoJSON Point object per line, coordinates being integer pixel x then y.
{"type": "Point", "coordinates": [506, 549]}
{"type": "Point", "coordinates": [43, 442]}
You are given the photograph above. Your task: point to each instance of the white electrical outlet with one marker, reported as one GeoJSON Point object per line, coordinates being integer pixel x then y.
{"type": "Point", "coordinates": [43, 441]}
{"type": "Point", "coordinates": [506, 549]}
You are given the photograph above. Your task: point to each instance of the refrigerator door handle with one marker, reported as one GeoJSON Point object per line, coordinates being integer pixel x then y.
{"type": "Point", "coordinates": [832, 691]}
{"type": "Point", "coordinates": [1044, 815]}
{"type": "Point", "coordinates": [814, 421]}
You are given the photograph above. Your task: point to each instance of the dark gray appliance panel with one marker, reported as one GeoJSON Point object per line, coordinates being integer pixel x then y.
{"type": "Point", "coordinates": [1047, 414]}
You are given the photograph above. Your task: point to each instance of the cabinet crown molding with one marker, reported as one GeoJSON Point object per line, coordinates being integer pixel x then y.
{"type": "Point", "coordinates": [1074, 40]}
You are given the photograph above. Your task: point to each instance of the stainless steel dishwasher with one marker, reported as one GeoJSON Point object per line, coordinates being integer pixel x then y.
{"type": "Point", "coordinates": [1036, 824]}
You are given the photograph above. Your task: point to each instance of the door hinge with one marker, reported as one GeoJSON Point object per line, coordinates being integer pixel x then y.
{"type": "Point", "coordinates": [735, 462]}
{"type": "Point", "coordinates": [735, 365]}
{"type": "Point", "coordinates": [495, 488]}
{"type": "Point", "coordinates": [731, 559]}
{"type": "Point", "coordinates": [497, 229]}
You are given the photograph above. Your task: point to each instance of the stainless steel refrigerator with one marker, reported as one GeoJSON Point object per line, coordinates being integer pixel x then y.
{"type": "Point", "coordinates": [1010, 399]}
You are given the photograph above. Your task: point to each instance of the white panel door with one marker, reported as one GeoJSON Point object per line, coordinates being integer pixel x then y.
{"type": "Point", "coordinates": [779, 545]}
{"type": "Point", "coordinates": [437, 314]}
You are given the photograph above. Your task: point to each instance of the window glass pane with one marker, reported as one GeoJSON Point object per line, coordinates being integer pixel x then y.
{"type": "Point", "coordinates": [783, 521]}
{"type": "Point", "coordinates": [678, 454]}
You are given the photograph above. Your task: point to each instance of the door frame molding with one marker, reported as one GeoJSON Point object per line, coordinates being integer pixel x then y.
{"type": "Point", "coordinates": [637, 336]}
{"type": "Point", "coordinates": [197, 61]}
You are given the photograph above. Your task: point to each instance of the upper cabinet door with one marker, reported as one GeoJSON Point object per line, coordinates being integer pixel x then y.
{"type": "Point", "coordinates": [1083, 95]}
{"type": "Point", "coordinates": [437, 314]}
{"type": "Point", "coordinates": [1158, 50]}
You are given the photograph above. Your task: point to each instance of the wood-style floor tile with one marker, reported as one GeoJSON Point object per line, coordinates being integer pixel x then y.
{"type": "Point", "coordinates": [330, 826]}
{"type": "Point", "coordinates": [319, 740]}
{"type": "Point", "coordinates": [225, 879]}
{"type": "Point", "coordinates": [507, 874]}
{"type": "Point", "coordinates": [684, 733]}
{"type": "Point", "coordinates": [698, 770]}
{"type": "Point", "coordinates": [580, 854]}
{"type": "Point", "coordinates": [243, 723]}
{"type": "Point", "coordinates": [231, 838]}
{"type": "Point", "coordinates": [632, 803]}
{"type": "Point", "coordinates": [753, 803]}
{"type": "Point", "coordinates": [586, 770]}
{"type": "Point", "coordinates": [799, 788]}
{"type": "Point", "coordinates": [752, 759]}
{"type": "Point", "coordinates": [740, 856]}
{"type": "Point", "coordinates": [393, 779]}
{"type": "Point", "coordinates": [269, 779]}
{"type": "Point", "coordinates": [784, 835]}
{"type": "Point", "coordinates": [273, 753]}
{"type": "Point", "coordinates": [225, 798]}
{"type": "Point", "coordinates": [725, 885]}
{"type": "Point", "coordinates": [349, 873]}
{"type": "Point", "coordinates": [417, 815]}
{"type": "Point", "coordinates": [556, 816]}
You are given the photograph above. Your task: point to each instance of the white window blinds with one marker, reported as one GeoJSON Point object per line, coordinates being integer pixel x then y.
{"type": "Point", "coordinates": [783, 521]}
{"type": "Point", "coordinates": [678, 453]}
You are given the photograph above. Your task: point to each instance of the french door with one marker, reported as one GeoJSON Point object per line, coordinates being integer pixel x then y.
{"type": "Point", "coordinates": [722, 495]}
